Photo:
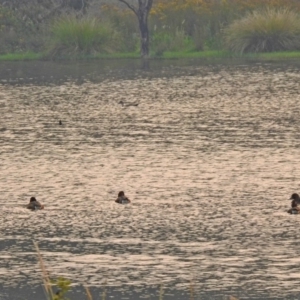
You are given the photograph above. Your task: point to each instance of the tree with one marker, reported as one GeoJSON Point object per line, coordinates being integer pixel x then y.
{"type": "Point", "coordinates": [142, 13]}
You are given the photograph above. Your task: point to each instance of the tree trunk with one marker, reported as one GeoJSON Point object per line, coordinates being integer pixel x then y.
{"type": "Point", "coordinates": [143, 25]}
{"type": "Point", "coordinates": [142, 13]}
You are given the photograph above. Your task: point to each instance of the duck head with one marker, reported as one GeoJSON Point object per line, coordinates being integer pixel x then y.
{"type": "Point", "coordinates": [295, 196]}
{"type": "Point", "coordinates": [121, 194]}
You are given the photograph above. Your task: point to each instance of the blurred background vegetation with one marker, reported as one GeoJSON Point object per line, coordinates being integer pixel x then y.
{"type": "Point", "coordinates": [69, 28]}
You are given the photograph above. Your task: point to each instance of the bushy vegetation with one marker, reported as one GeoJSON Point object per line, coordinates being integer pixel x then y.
{"type": "Point", "coordinates": [24, 25]}
{"type": "Point", "coordinates": [73, 36]}
{"type": "Point", "coordinates": [13, 32]}
{"type": "Point", "coordinates": [65, 29]}
{"type": "Point", "coordinates": [265, 31]}
{"type": "Point", "coordinates": [162, 41]}
{"type": "Point", "coordinates": [124, 22]}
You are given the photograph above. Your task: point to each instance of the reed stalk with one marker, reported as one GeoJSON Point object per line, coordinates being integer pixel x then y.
{"type": "Point", "coordinates": [88, 293]}
{"type": "Point", "coordinates": [104, 292]}
{"type": "Point", "coordinates": [45, 277]}
{"type": "Point", "coordinates": [192, 291]}
{"type": "Point", "coordinates": [161, 292]}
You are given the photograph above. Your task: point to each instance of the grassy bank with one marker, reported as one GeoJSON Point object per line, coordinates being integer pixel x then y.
{"type": "Point", "coordinates": [280, 55]}
{"type": "Point", "coordinates": [211, 54]}
{"type": "Point", "coordinates": [21, 56]}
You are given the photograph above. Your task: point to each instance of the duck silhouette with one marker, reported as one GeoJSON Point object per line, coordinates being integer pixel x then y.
{"type": "Point", "coordinates": [122, 199]}
{"type": "Point", "coordinates": [128, 104]}
{"type": "Point", "coordinates": [295, 202]}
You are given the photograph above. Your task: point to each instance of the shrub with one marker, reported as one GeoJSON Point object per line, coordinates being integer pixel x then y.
{"type": "Point", "coordinates": [265, 31]}
{"type": "Point", "coordinates": [162, 41]}
{"type": "Point", "coordinates": [72, 36]}
{"type": "Point", "coordinates": [126, 24]}
{"type": "Point", "coordinates": [10, 38]}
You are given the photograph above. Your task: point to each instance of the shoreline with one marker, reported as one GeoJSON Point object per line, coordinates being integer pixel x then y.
{"type": "Point", "coordinates": [214, 54]}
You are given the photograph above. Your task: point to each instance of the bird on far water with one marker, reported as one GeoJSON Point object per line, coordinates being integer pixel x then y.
{"type": "Point", "coordinates": [128, 104]}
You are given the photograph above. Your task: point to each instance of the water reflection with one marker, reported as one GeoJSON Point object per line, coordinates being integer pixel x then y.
{"type": "Point", "coordinates": [209, 158]}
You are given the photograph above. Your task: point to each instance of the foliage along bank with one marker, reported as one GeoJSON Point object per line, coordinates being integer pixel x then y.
{"type": "Point", "coordinates": [184, 26]}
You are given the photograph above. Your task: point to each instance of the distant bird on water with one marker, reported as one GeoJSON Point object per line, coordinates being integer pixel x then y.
{"type": "Point", "coordinates": [128, 104]}
{"type": "Point", "coordinates": [60, 122]}
{"type": "Point", "coordinates": [122, 199]}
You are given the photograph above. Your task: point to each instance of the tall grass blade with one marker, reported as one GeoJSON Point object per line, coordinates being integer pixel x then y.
{"type": "Point", "coordinates": [161, 292]}
{"type": "Point", "coordinates": [46, 280]}
{"type": "Point", "coordinates": [104, 292]}
{"type": "Point", "coordinates": [192, 291]}
{"type": "Point", "coordinates": [88, 293]}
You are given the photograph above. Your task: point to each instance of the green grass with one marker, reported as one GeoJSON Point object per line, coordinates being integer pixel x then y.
{"type": "Point", "coordinates": [118, 55]}
{"type": "Point", "coordinates": [82, 56]}
{"type": "Point", "coordinates": [211, 54]}
{"type": "Point", "coordinates": [199, 54]}
{"type": "Point", "coordinates": [279, 55]}
{"type": "Point", "coordinates": [21, 56]}
{"type": "Point", "coordinates": [265, 56]}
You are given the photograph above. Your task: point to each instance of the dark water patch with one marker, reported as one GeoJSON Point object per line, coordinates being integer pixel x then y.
{"type": "Point", "coordinates": [49, 72]}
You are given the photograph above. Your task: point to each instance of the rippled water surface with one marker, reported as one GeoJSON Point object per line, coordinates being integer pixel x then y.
{"type": "Point", "coordinates": [209, 158]}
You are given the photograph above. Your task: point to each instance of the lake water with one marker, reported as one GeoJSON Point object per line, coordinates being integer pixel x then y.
{"type": "Point", "coordinates": [209, 158]}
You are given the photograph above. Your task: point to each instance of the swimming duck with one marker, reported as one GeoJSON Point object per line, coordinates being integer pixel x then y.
{"type": "Point", "coordinates": [295, 202]}
{"type": "Point", "coordinates": [34, 204]}
{"type": "Point", "coordinates": [128, 104]}
{"type": "Point", "coordinates": [122, 199]}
